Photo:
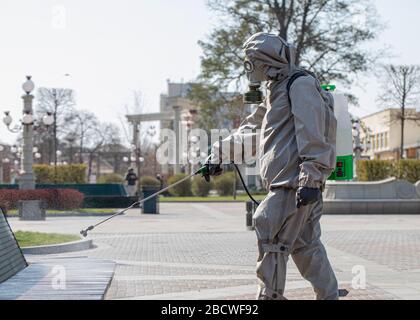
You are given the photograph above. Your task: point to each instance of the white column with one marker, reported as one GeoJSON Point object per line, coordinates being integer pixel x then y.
{"type": "Point", "coordinates": [177, 129]}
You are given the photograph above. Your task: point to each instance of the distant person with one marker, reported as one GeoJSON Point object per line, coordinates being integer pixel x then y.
{"type": "Point", "coordinates": [160, 179]}
{"type": "Point", "coordinates": [131, 179]}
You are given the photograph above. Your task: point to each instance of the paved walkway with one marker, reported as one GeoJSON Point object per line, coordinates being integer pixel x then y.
{"type": "Point", "coordinates": [202, 251]}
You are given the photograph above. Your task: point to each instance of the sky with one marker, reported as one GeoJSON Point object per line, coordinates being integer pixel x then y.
{"type": "Point", "coordinates": [110, 48]}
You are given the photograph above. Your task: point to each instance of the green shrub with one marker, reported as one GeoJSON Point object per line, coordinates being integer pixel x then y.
{"type": "Point", "coordinates": [224, 184]}
{"type": "Point", "coordinates": [111, 178]}
{"type": "Point", "coordinates": [43, 173]}
{"type": "Point", "coordinates": [375, 170]}
{"type": "Point", "coordinates": [148, 181]}
{"type": "Point", "coordinates": [200, 187]}
{"type": "Point", "coordinates": [69, 174]}
{"type": "Point", "coordinates": [181, 190]}
{"type": "Point", "coordinates": [407, 170]}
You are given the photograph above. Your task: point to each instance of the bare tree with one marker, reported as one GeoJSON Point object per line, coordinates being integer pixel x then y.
{"type": "Point", "coordinates": [86, 124]}
{"type": "Point", "coordinates": [59, 102]}
{"type": "Point", "coordinates": [105, 133]}
{"type": "Point", "coordinates": [401, 87]}
{"type": "Point", "coordinates": [114, 152]}
{"type": "Point", "coordinates": [70, 140]}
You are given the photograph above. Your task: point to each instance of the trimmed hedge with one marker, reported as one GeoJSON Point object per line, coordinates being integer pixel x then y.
{"type": "Point", "coordinates": [375, 170]}
{"type": "Point", "coordinates": [72, 173]}
{"type": "Point", "coordinates": [54, 199]}
{"type": "Point", "coordinates": [200, 187]}
{"type": "Point", "coordinates": [181, 190]}
{"type": "Point", "coordinates": [149, 181]}
{"type": "Point", "coordinates": [224, 184]}
{"type": "Point", "coordinates": [408, 170]}
{"type": "Point", "coordinates": [111, 178]}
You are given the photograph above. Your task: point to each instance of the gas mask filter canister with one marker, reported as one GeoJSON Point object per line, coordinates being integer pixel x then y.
{"type": "Point", "coordinates": [254, 94]}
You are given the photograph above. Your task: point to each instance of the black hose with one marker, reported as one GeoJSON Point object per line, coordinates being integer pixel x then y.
{"type": "Point", "coordinates": [243, 183]}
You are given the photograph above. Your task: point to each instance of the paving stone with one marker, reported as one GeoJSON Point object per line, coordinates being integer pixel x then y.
{"type": "Point", "coordinates": [203, 252]}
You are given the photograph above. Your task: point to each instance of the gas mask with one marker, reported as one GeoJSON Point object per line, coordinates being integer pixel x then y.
{"type": "Point", "coordinates": [255, 78]}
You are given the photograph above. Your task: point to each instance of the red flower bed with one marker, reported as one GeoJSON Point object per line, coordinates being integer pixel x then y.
{"type": "Point", "coordinates": [55, 199]}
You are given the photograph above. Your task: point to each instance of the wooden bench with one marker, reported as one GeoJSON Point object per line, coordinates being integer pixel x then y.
{"type": "Point", "coordinates": [49, 277]}
{"type": "Point", "coordinates": [12, 259]}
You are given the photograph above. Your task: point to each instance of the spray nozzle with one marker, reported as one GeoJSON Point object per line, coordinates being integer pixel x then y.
{"type": "Point", "coordinates": [84, 233]}
{"type": "Point", "coordinates": [204, 172]}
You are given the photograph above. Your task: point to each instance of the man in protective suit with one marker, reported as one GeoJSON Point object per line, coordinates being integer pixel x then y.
{"type": "Point", "coordinates": [297, 155]}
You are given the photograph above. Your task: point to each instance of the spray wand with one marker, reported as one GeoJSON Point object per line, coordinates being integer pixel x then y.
{"type": "Point", "coordinates": [202, 171]}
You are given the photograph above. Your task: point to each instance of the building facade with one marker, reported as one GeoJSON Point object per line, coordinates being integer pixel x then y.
{"type": "Point", "coordinates": [185, 116]}
{"type": "Point", "coordinates": [176, 113]}
{"type": "Point", "coordinates": [382, 135]}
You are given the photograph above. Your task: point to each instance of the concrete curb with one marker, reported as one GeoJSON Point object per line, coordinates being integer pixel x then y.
{"type": "Point", "coordinates": [372, 206]}
{"type": "Point", "coordinates": [60, 248]}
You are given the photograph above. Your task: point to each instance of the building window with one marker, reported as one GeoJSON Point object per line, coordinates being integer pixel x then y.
{"type": "Point", "coordinates": [382, 140]}
{"type": "Point", "coordinates": [386, 140]}
{"type": "Point", "coordinates": [412, 153]}
{"type": "Point", "coordinates": [377, 141]}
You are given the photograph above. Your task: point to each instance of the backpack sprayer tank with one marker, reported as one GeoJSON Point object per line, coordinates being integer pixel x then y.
{"type": "Point", "coordinates": [344, 167]}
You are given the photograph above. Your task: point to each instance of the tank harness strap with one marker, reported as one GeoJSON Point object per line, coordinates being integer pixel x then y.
{"type": "Point", "coordinates": [292, 79]}
{"type": "Point", "coordinates": [271, 247]}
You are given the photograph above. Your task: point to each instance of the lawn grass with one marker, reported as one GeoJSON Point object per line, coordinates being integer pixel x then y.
{"type": "Point", "coordinates": [29, 239]}
{"type": "Point", "coordinates": [239, 198]}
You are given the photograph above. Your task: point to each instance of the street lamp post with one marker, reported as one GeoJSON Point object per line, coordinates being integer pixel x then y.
{"type": "Point", "coordinates": [27, 178]}
{"type": "Point", "coordinates": [358, 148]}
{"type": "Point", "coordinates": [28, 210]}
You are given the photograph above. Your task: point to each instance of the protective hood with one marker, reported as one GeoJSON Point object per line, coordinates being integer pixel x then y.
{"type": "Point", "coordinates": [272, 56]}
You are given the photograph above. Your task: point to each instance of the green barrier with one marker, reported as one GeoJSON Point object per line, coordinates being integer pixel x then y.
{"type": "Point", "coordinates": [9, 187]}
{"type": "Point", "coordinates": [344, 169]}
{"type": "Point", "coordinates": [108, 202]}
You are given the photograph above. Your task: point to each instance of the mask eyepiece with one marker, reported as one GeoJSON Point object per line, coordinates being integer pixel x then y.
{"type": "Point", "coordinates": [249, 66]}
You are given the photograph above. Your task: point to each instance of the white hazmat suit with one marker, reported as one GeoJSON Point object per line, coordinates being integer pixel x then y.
{"type": "Point", "coordinates": [297, 149]}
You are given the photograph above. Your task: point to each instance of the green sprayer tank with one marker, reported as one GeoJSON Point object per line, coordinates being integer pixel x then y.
{"type": "Point", "coordinates": [344, 166]}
